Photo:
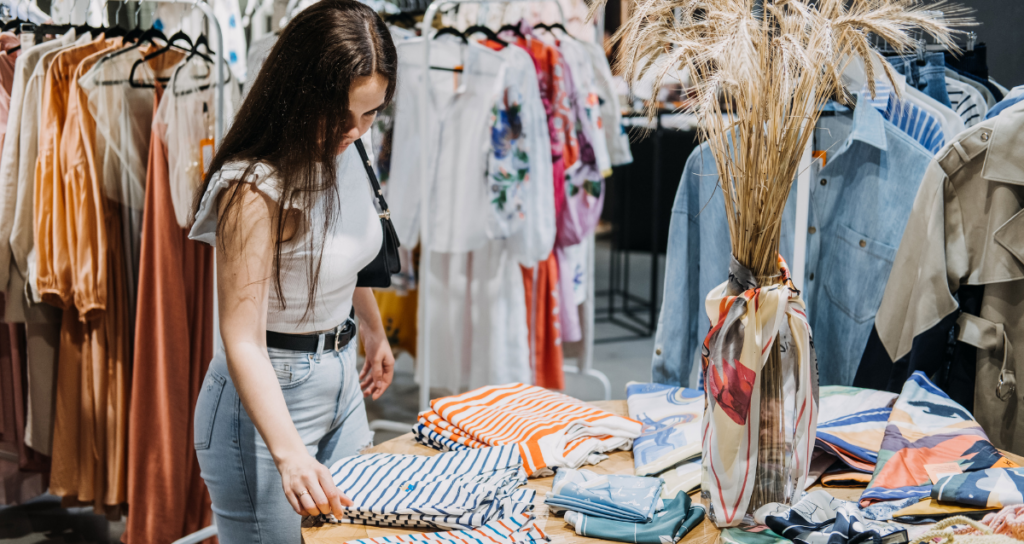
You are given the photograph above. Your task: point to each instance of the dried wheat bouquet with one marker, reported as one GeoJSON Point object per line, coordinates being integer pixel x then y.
{"type": "Point", "coordinates": [761, 69]}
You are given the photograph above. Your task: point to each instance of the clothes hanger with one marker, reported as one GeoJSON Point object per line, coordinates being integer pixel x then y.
{"type": "Point", "coordinates": [135, 34]}
{"type": "Point", "coordinates": [170, 43]}
{"type": "Point", "coordinates": [491, 35]}
{"type": "Point", "coordinates": [512, 28]}
{"type": "Point", "coordinates": [115, 30]}
{"type": "Point", "coordinates": [450, 31]}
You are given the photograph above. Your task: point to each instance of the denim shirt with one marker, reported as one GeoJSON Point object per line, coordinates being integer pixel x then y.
{"type": "Point", "coordinates": [859, 205]}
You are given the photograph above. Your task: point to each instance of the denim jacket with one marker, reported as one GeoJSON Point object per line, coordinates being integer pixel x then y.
{"type": "Point", "coordinates": [859, 205]}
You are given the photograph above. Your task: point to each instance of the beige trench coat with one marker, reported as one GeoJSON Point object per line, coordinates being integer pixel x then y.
{"type": "Point", "coordinates": [967, 228]}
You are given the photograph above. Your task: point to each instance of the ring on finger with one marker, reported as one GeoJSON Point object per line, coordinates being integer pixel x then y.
{"type": "Point", "coordinates": [304, 492]}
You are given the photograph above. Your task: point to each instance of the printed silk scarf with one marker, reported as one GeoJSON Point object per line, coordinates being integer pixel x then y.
{"type": "Point", "coordinates": [746, 320]}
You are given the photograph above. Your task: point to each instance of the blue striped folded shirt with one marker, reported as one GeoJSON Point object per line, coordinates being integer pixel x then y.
{"type": "Point", "coordinates": [518, 529]}
{"type": "Point", "coordinates": [455, 490]}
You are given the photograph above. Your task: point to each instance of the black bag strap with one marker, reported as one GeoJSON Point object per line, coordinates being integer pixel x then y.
{"type": "Point", "coordinates": [385, 213]}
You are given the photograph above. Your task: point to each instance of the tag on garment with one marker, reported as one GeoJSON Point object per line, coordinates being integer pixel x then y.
{"type": "Point", "coordinates": [823, 155]}
{"type": "Point", "coordinates": [1005, 463]}
{"type": "Point", "coordinates": [937, 471]}
{"type": "Point", "coordinates": [206, 152]}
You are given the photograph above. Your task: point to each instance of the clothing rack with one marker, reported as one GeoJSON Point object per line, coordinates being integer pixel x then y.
{"type": "Point", "coordinates": [218, 134]}
{"type": "Point", "coordinates": [585, 360]}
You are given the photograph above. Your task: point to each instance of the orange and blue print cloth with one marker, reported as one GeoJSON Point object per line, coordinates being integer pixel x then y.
{"type": "Point", "coordinates": [552, 430]}
{"type": "Point", "coordinates": [926, 427]}
{"type": "Point", "coordinates": [746, 320]}
{"type": "Point", "coordinates": [855, 424]}
{"type": "Point", "coordinates": [990, 488]}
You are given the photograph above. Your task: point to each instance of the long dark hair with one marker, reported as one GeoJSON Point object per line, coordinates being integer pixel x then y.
{"type": "Point", "coordinates": [296, 114]}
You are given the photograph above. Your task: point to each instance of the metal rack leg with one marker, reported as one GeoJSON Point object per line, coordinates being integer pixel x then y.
{"type": "Point", "coordinates": [198, 536]}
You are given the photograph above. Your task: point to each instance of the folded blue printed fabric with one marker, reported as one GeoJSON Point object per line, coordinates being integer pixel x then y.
{"type": "Point", "coordinates": [631, 499]}
{"type": "Point", "coordinates": [991, 488]}
{"type": "Point", "coordinates": [668, 526]}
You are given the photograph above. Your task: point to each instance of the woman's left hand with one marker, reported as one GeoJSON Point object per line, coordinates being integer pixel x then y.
{"type": "Point", "coordinates": [379, 368]}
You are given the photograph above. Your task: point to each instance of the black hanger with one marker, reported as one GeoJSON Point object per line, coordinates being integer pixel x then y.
{"type": "Point", "coordinates": [170, 43]}
{"type": "Point", "coordinates": [514, 28]}
{"type": "Point", "coordinates": [451, 31]}
{"type": "Point", "coordinates": [13, 24]}
{"type": "Point", "coordinates": [558, 26]}
{"type": "Point", "coordinates": [55, 30]}
{"type": "Point", "coordinates": [491, 35]}
{"type": "Point", "coordinates": [542, 26]}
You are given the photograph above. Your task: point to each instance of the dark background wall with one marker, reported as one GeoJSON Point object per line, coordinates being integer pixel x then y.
{"type": "Point", "coordinates": [1002, 28]}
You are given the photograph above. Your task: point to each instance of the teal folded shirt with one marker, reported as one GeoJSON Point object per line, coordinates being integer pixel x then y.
{"type": "Point", "coordinates": [611, 496]}
{"type": "Point", "coordinates": [667, 527]}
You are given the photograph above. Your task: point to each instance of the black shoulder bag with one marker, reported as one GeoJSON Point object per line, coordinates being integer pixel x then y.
{"type": "Point", "coordinates": [378, 273]}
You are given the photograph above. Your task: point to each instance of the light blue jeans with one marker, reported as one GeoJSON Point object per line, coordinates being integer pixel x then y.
{"type": "Point", "coordinates": [324, 399]}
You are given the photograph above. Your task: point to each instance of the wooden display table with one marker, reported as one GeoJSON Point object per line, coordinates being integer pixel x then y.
{"type": "Point", "coordinates": [560, 532]}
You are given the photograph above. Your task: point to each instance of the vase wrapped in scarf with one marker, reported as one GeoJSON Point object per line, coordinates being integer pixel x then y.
{"type": "Point", "coordinates": [760, 71]}
{"type": "Point", "coordinates": [761, 389]}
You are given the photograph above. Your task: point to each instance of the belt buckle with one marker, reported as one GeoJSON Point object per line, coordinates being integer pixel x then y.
{"type": "Point", "coordinates": [1006, 387]}
{"type": "Point", "coordinates": [337, 336]}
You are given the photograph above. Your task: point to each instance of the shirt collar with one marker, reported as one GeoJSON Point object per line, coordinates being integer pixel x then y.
{"type": "Point", "coordinates": [868, 124]}
{"type": "Point", "coordinates": [1003, 162]}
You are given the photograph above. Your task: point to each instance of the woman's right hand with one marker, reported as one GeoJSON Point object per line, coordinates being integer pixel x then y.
{"type": "Point", "coordinates": [310, 488]}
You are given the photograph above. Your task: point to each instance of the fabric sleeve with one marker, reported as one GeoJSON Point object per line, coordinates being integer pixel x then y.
{"type": "Point", "coordinates": [204, 228]}
{"type": "Point", "coordinates": [931, 259]}
{"type": "Point", "coordinates": [681, 308]}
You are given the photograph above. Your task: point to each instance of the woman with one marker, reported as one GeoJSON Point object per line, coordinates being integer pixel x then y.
{"type": "Point", "coordinates": [289, 206]}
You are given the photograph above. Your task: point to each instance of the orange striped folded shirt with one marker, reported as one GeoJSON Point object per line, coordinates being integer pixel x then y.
{"type": "Point", "coordinates": [551, 429]}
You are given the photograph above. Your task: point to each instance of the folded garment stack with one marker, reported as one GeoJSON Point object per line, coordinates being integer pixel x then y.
{"type": "Point", "coordinates": [670, 525]}
{"type": "Point", "coordinates": [852, 424]}
{"type": "Point", "coordinates": [518, 529]}
{"type": "Point", "coordinates": [616, 497]}
{"type": "Point", "coordinates": [925, 428]}
{"type": "Point", "coordinates": [552, 430]}
{"type": "Point", "coordinates": [670, 444]}
{"type": "Point", "coordinates": [457, 490]}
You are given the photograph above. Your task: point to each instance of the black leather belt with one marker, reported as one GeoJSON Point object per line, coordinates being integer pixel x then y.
{"type": "Point", "coordinates": [335, 340]}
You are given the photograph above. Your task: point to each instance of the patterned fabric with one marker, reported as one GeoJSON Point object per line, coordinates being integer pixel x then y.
{"type": "Point", "coordinates": [518, 529]}
{"type": "Point", "coordinates": [457, 490]}
{"type": "Point", "coordinates": [926, 427]}
{"type": "Point", "coordinates": [508, 165]}
{"type": "Point", "coordinates": [993, 488]}
{"type": "Point", "coordinates": [856, 424]}
{"type": "Point", "coordinates": [671, 418]}
{"type": "Point", "coordinates": [733, 358]}
{"type": "Point", "coordinates": [820, 518]}
{"type": "Point", "coordinates": [551, 430]}
{"type": "Point", "coordinates": [669, 526]}
{"type": "Point", "coordinates": [609, 496]}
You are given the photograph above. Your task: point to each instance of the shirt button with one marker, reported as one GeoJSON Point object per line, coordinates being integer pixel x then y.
{"type": "Point", "coordinates": [984, 136]}
{"type": "Point", "coordinates": [863, 243]}
{"type": "Point", "coordinates": [812, 230]}
{"type": "Point", "coordinates": [823, 181]}
{"type": "Point", "coordinates": [657, 351]}
{"type": "Point", "coordinates": [812, 276]}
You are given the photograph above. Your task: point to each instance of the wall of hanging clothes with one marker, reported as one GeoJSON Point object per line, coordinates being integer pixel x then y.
{"type": "Point", "coordinates": [109, 304]}
{"type": "Point", "coordinates": [911, 249]}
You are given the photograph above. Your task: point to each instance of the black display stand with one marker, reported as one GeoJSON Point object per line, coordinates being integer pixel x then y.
{"type": "Point", "coordinates": [639, 207]}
